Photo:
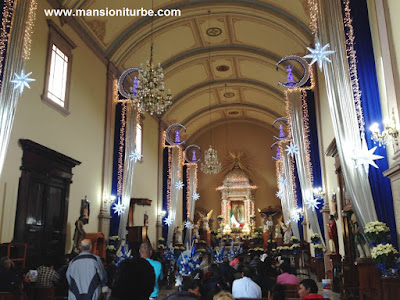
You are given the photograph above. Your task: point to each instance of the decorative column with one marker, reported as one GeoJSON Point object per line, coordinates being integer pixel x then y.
{"type": "Point", "coordinates": [112, 95]}
{"type": "Point", "coordinates": [225, 210]}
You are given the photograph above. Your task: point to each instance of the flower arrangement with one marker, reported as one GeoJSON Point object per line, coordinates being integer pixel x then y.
{"type": "Point", "coordinates": [161, 239]}
{"type": "Point", "coordinates": [161, 247]}
{"type": "Point", "coordinates": [202, 242]}
{"type": "Point", "coordinates": [220, 218]}
{"type": "Point", "coordinates": [295, 247]}
{"type": "Point", "coordinates": [315, 238]}
{"type": "Point", "coordinates": [114, 238]}
{"type": "Point", "coordinates": [385, 253]}
{"type": "Point", "coordinates": [318, 248]}
{"type": "Point", "coordinates": [294, 240]}
{"type": "Point", "coordinates": [252, 218]}
{"type": "Point", "coordinates": [201, 250]}
{"type": "Point", "coordinates": [376, 232]}
{"type": "Point", "coordinates": [111, 248]}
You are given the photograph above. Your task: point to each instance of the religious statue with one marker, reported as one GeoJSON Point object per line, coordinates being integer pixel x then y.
{"type": "Point", "coordinates": [178, 234]}
{"type": "Point", "coordinates": [195, 232]}
{"type": "Point", "coordinates": [359, 241]}
{"type": "Point", "coordinates": [287, 232]}
{"type": "Point", "coordinates": [206, 220]}
{"type": "Point", "coordinates": [80, 233]}
{"type": "Point", "coordinates": [177, 136]}
{"type": "Point", "coordinates": [333, 235]}
{"type": "Point", "coordinates": [237, 217]}
{"type": "Point", "coordinates": [278, 233]}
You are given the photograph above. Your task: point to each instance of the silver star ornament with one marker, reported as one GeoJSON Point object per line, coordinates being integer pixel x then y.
{"type": "Point", "coordinates": [366, 157]}
{"type": "Point", "coordinates": [119, 208]}
{"type": "Point", "coordinates": [22, 81]}
{"type": "Point", "coordinates": [135, 156]}
{"type": "Point", "coordinates": [292, 149]}
{"type": "Point", "coordinates": [319, 54]}
{"type": "Point", "coordinates": [179, 185]}
{"type": "Point", "coordinates": [168, 220]}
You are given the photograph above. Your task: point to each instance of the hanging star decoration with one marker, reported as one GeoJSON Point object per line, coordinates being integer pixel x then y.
{"type": "Point", "coordinates": [188, 225]}
{"type": "Point", "coordinates": [292, 149]}
{"type": "Point", "coordinates": [119, 208]}
{"type": "Point", "coordinates": [279, 194]}
{"type": "Point", "coordinates": [195, 196]}
{"type": "Point", "coordinates": [319, 54]}
{"type": "Point", "coordinates": [135, 156]}
{"type": "Point", "coordinates": [312, 203]}
{"type": "Point", "coordinates": [282, 180]}
{"type": "Point", "coordinates": [168, 220]}
{"type": "Point", "coordinates": [294, 216]}
{"type": "Point", "coordinates": [22, 81]}
{"type": "Point", "coordinates": [179, 185]}
{"type": "Point", "coordinates": [365, 157]}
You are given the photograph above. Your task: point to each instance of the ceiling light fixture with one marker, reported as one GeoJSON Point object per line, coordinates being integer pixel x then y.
{"type": "Point", "coordinates": [149, 87]}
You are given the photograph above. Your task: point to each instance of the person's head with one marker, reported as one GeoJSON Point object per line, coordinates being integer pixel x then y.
{"type": "Point", "coordinates": [223, 295]}
{"type": "Point", "coordinates": [285, 267]}
{"type": "Point", "coordinates": [134, 277]}
{"type": "Point", "coordinates": [277, 293]}
{"type": "Point", "coordinates": [5, 262]}
{"type": "Point", "coordinates": [190, 285]}
{"type": "Point", "coordinates": [145, 250]}
{"type": "Point", "coordinates": [85, 245]}
{"type": "Point", "coordinates": [307, 286]}
{"type": "Point", "coordinates": [247, 271]}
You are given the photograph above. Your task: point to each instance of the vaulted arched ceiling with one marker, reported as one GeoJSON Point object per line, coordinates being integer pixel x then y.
{"type": "Point", "coordinates": [225, 59]}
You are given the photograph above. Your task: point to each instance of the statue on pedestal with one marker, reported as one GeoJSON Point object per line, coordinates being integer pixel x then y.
{"type": "Point", "coordinates": [80, 233]}
{"type": "Point", "coordinates": [206, 220]}
{"type": "Point", "coordinates": [359, 240]}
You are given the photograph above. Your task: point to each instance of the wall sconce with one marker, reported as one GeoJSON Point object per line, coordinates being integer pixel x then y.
{"type": "Point", "coordinates": [319, 193]}
{"type": "Point", "coordinates": [109, 199]}
{"type": "Point", "coordinates": [386, 135]}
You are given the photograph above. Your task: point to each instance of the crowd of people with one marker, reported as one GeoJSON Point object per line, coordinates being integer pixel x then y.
{"type": "Point", "coordinates": [86, 276]}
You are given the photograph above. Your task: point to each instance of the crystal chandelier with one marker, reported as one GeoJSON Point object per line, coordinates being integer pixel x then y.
{"type": "Point", "coordinates": [211, 164]}
{"type": "Point", "coordinates": [149, 88]}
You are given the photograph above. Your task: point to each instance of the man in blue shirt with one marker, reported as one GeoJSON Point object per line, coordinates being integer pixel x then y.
{"type": "Point", "coordinates": [145, 252]}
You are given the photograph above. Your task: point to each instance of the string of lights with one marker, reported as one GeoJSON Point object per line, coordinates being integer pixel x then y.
{"type": "Point", "coordinates": [169, 179]}
{"type": "Point", "coordinates": [7, 13]}
{"type": "Point", "coordinates": [307, 134]}
{"type": "Point", "coordinates": [313, 12]}
{"type": "Point", "coordinates": [29, 29]}
{"type": "Point", "coordinates": [352, 58]}
{"type": "Point", "coordinates": [121, 150]}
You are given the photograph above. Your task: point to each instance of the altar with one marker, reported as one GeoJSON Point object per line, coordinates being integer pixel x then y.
{"type": "Point", "coordinates": [237, 201]}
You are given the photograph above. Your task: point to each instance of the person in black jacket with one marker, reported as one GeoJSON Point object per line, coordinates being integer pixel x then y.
{"type": "Point", "coordinates": [190, 291]}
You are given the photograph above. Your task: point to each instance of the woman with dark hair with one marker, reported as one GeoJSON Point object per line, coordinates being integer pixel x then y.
{"type": "Point", "coordinates": [308, 289]}
{"type": "Point", "coordinates": [277, 293]}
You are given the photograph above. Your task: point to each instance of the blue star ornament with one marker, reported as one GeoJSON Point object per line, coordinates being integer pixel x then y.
{"type": "Point", "coordinates": [195, 196]}
{"type": "Point", "coordinates": [22, 80]}
{"type": "Point", "coordinates": [365, 157]}
{"type": "Point", "coordinates": [292, 149]}
{"type": "Point", "coordinates": [179, 185]}
{"type": "Point", "coordinates": [319, 54]}
{"type": "Point", "coordinates": [135, 156]}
